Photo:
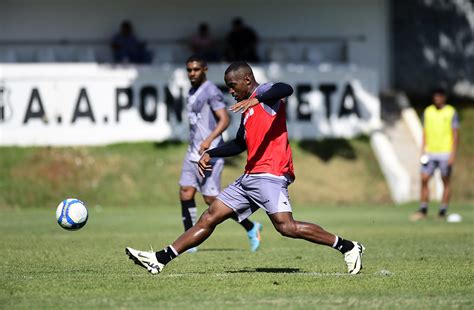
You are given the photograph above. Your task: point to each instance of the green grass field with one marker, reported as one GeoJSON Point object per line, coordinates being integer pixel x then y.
{"type": "Point", "coordinates": [407, 265]}
{"type": "Point", "coordinates": [427, 265]}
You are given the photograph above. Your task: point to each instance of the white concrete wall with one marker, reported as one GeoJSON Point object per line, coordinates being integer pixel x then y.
{"type": "Point", "coordinates": [397, 177]}
{"type": "Point", "coordinates": [171, 19]}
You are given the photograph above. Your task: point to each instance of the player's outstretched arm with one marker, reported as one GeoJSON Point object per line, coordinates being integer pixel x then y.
{"type": "Point", "coordinates": [230, 148]}
{"type": "Point", "coordinates": [276, 92]}
{"type": "Point", "coordinates": [270, 97]}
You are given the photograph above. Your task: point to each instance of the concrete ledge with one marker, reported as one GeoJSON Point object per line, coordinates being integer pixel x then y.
{"type": "Point", "coordinates": [398, 179]}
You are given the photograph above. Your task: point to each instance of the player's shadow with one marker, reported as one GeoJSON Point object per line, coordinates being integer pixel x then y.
{"type": "Point", "coordinates": [266, 270]}
{"type": "Point", "coordinates": [327, 149]}
{"type": "Point", "coordinates": [221, 250]}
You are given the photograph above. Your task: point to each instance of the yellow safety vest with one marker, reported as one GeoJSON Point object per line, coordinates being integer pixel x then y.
{"type": "Point", "coordinates": [438, 129]}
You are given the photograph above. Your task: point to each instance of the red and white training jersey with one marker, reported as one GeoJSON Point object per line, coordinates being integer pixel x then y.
{"type": "Point", "coordinates": [266, 136]}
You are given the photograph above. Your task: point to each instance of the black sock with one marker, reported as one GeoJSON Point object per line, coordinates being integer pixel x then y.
{"type": "Point", "coordinates": [188, 211]}
{"type": "Point", "coordinates": [343, 245]}
{"type": "Point", "coordinates": [423, 208]}
{"type": "Point", "coordinates": [443, 209]}
{"type": "Point", "coordinates": [166, 255]}
{"type": "Point", "coordinates": [247, 224]}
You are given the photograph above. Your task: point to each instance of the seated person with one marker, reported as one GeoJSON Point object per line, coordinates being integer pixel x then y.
{"type": "Point", "coordinates": [203, 45]}
{"type": "Point", "coordinates": [241, 42]}
{"type": "Point", "coordinates": [127, 48]}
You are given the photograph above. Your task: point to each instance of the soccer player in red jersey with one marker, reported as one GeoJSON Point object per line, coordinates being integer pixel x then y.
{"type": "Point", "coordinates": [264, 184]}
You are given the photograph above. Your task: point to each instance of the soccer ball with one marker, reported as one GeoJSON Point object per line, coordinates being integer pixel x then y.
{"type": "Point", "coordinates": [454, 218]}
{"type": "Point", "coordinates": [71, 214]}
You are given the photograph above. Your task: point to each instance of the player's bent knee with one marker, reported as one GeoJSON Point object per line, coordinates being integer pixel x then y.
{"type": "Point", "coordinates": [186, 193]}
{"type": "Point", "coordinates": [287, 229]}
{"type": "Point", "coordinates": [425, 179]}
{"type": "Point", "coordinates": [209, 199]}
{"type": "Point", "coordinates": [207, 220]}
{"type": "Point", "coordinates": [215, 214]}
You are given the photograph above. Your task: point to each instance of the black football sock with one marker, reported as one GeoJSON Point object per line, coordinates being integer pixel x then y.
{"type": "Point", "coordinates": [166, 255]}
{"type": "Point", "coordinates": [188, 211]}
{"type": "Point", "coordinates": [343, 245]}
{"type": "Point", "coordinates": [443, 209]}
{"type": "Point", "coordinates": [423, 208]}
{"type": "Point", "coordinates": [247, 224]}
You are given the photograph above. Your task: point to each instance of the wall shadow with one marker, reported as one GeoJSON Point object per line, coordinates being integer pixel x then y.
{"type": "Point", "coordinates": [166, 144]}
{"type": "Point", "coordinates": [437, 53]}
{"type": "Point", "coordinates": [327, 149]}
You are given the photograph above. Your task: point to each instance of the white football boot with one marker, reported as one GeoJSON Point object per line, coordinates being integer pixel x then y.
{"type": "Point", "coordinates": [353, 258]}
{"type": "Point", "coordinates": [145, 259]}
{"type": "Point", "coordinates": [192, 250]}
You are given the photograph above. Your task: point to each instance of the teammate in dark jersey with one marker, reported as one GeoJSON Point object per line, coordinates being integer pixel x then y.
{"type": "Point", "coordinates": [265, 181]}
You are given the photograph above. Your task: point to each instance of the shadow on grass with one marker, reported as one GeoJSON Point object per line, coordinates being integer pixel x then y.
{"type": "Point", "coordinates": [327, 149]}
{"type": "Point", "coordinates": [167, 144]}
{"type": "Point", "coordinates": [266, 270]}
{"type": "Point", "coordinates": [221, 250]}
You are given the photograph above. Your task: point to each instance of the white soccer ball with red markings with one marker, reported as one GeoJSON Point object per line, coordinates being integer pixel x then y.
{"type": "Point", "coordinates": [72, 214]}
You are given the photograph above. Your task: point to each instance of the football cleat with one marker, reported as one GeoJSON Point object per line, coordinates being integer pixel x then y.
{"type": "Point", "coordinates": [255, 237]}
{"type": "Point", "coordinates": [192, 250]}
{"type": "Point", "coordinates": [146, 260]}
{"type": "Point", "coordinates": [353, 258]}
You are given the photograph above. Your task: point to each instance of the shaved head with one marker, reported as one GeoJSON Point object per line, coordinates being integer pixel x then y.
{"type": "Point", "coordinates": [241, 68]}
{"type": "Point", "coordinates": [240, 80]}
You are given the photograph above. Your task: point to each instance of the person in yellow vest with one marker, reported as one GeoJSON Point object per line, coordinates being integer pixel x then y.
{"type": "Point", "coordinates": [440, 142]}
